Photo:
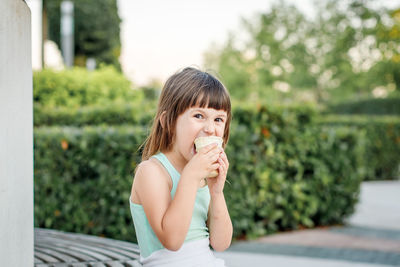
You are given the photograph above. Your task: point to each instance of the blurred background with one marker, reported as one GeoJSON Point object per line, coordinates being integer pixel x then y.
{"type": "Point", "coordinates": [315, 87]}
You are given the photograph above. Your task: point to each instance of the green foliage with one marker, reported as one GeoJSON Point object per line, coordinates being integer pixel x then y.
{"type": "Point", "coordinates": [133, 113]}
{"type": "Point", "coordinates": [235, 71]}
{"type": "Point", "coordinates": [377, 106]}
{"type": "Point", "coordinates": [140, 113]}
{"type": "Point", "coordinates": [288, 174]}
{"type": "Point", "coordinates": [348, 49]}
{"type": "Point", "coordinates": [78, 87]}
{"type": "Point", "coordinates": [83, 178]}
{"type": "Point", "coordinates": [382, 148]}
{"type": "Point", "coordinates": [96, 30]}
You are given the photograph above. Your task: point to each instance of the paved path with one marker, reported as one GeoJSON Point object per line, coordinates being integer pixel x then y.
{"type": "Point", "coordinates": [379, 206]}
{"type": "Point", "coordinates": [371, 238]}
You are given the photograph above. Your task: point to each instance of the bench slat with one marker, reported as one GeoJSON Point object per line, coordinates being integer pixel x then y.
{"type": "Point", "coordinates": [100, 252]}
{"type": "Point", "coordinates": [56, 248]}
{"type": "Point", "coordinates": [114, 264]}
{"type": "Point", "coordinates": [132, 264]}
{"type": "Point", "coordinates": [122, 252]}
{"type": "Point", "coordinates": [64, 257]}
{"type": "Point", "coordinates": [45, 258]}
{"type": "Point", "coordinates": [61, 264]}
{"type": "Point", "coordinates": [98, 264]}
{"type": "Point", "coordinates": [37, 260]}
{"type": "Point", "coordinates": [70, 252]}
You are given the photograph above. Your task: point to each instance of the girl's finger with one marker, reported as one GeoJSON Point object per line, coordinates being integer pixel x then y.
{"type": "Point", "coordinates": [225, 160]}
{"type": "Point", "coordinates": [221, 161]}
{"type": "Point", "coordinates": [222, 166]}
{"type": "Point", "coordinates": [223, 155]}
{"type": "Point", "coordinates": [208, 148]}
{"type": "Point", "coordinates": [213, 152]}
{"type": "Point", "coordinates": [214, 157]}
{"type": "Point", "coordinates": [220, 171]}
{"type": "Point", "coordinates": [215, 166]}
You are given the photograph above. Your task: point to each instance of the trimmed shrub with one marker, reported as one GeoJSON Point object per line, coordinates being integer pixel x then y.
{"type": "Point", "coordinates": [83, 178]}
{"type": "Point", "coordinates": [78, 87]}
{"type": "Point", "coordinates": [382, 149]}
{"type": "Point", "coordinates": [290, 174]}
{"type": "Point", "coordinates": [142, 113]}
{"type": "Point", "coordinates": [112, 114]}
{"type": "Point", "coordinates": [374, 106]}
{"type": "Point", "coordinates": [284, 174]}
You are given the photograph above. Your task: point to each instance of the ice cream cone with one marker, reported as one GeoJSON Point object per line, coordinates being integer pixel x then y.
{"type": "Point", "coordinates": [201, 142]}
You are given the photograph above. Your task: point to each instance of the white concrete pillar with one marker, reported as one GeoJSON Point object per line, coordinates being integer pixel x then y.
{"type": "Point", "coordinates": [36, 21]}
{"type": "Point", "coordinates": [16, 135]}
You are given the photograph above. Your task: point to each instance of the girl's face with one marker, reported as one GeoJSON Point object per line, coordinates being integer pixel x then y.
{"type": "Point", "coordinates": [196, 122]}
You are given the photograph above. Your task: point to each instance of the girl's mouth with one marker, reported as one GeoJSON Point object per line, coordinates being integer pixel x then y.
{"type": "Point", "coordinates": [194, 149]}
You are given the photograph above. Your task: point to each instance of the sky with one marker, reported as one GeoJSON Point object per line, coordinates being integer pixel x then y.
{"type": "Point", "coordinates": [160, 37]}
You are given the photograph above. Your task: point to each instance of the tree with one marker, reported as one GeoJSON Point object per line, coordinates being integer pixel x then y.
{"type": "Point", "coordinates": [96, 32]}
{"type": "Point", "coordinates": [274, 58]}
{"type": "Point", "coordinates": [387, 69]}
{"type": "Point", "coordinates": [346, 50]}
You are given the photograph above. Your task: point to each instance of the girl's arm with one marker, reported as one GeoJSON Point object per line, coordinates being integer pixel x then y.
{"type": "Point", "coordinates": [170, 218]}
{"type": "Point", "coordinates": [219, 221]}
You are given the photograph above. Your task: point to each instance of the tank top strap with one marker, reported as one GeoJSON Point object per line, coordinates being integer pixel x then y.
{"type": "Point", "coordinates": [175, 175]}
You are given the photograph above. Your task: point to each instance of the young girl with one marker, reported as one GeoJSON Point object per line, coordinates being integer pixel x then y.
{"type": "Point", "coordinates": [177, 213]}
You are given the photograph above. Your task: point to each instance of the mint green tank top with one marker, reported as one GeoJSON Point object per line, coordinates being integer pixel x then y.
{"type": "Point", "coordinates": [147, 239]}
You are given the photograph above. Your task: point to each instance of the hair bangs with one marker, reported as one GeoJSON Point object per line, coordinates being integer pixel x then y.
{"type": "Point", "coordinates": [212, 94]}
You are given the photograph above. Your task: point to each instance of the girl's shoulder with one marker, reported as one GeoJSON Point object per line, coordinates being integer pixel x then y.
{"type": "Point", "coordinates": [149, 165]}
{"type": "Point", "coordinates": [151, 170]}
{"type": "Point", "coordinates": [150, 180]}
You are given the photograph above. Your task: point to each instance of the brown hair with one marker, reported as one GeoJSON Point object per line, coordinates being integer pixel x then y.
{"type": "Point", "coordinates": [185, 89]}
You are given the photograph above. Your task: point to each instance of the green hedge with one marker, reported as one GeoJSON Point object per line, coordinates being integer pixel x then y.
{"type": "Point", "coordinates": [78, 87]}
{"type": "Point", "coordinates": [110, 114]}
{"type": "Point", "coordinates": [141, 113]}
{"type": "Point", "coordinates": [284, 174]}
{"type": "Point", "coordinates": [382, 150]}
{"type": "Point", "coordinates": [83, 178]}
{"type": "Point", "coordinates": [374, 106]}
{"type": "Point", "coordinates": [290, 173]}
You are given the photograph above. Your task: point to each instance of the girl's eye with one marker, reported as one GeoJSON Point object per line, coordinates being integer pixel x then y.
{"type": "Point", "coordinates": [219, 119]}
{"type": "Point", "coordinates": [199, 116]}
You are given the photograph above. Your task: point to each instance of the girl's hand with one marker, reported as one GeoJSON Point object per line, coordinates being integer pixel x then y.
{"type": "Point", "coordinates": [216, 184]}
{"type": "Point", "coordinates": [203, 162]}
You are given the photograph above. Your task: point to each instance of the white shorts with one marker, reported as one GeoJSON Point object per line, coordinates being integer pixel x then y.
{"type": "Point", "coordinates": [191, 254]}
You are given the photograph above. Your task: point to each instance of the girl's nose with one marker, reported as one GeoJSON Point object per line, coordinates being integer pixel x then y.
{"type": "Point", "coordinates": [209, 128]}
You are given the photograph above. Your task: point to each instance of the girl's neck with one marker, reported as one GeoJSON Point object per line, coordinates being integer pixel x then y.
{"type": "Point", "coordinates": [176, 159]}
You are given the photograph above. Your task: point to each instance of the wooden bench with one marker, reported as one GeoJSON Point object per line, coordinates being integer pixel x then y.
{"type": "Point", "coordinates": [56, 248]}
